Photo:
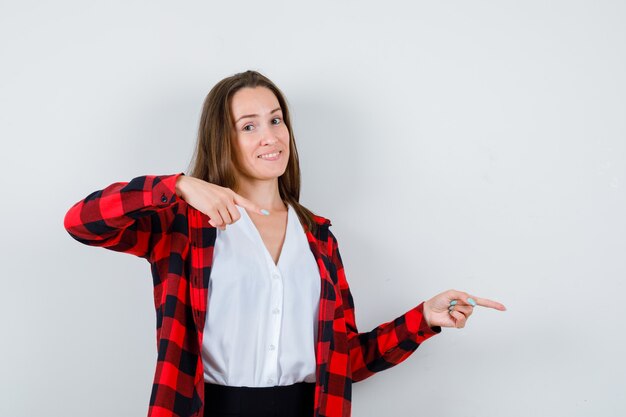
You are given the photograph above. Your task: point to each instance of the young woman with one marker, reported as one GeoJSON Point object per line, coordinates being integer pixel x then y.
{"type": "Point", "coordinates": [254, 312]}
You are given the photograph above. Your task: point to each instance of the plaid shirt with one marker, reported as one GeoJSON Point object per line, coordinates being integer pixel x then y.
{"type": "Point", "coordinates": [146, 218]}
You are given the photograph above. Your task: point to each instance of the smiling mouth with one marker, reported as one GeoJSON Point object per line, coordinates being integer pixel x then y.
{"type": "Point", "coordinates": [270, 156]}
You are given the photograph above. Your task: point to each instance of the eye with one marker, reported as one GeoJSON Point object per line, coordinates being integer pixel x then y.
{"type": "Point", "coordinates": [244, 128]}
{"type": "Point", "coordinates": [276, 118]}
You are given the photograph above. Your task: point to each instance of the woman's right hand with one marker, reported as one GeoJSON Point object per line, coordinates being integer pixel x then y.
{"type": "Point", "coordinates": [215, 201]}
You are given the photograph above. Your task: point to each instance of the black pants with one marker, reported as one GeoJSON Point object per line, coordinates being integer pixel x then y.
{"type": "Point", "coordinates": [295, 400]}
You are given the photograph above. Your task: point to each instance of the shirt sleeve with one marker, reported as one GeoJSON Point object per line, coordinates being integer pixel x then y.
{"type": "Point", "coordinates": [128, 217]}
{"type": "Point", "coordinates": [386, 345]}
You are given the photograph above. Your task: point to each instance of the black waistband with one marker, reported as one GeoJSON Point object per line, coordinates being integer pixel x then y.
{"type": "Point", "coordinates": [288, 399]}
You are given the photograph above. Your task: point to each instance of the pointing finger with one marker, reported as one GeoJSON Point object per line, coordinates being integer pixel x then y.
{"type": "Point", "coordinates": [485, 302]}
{"type": "Point", "coordinates": [245, 203]}
{"type": "Point", "coordinates": [468, 299]}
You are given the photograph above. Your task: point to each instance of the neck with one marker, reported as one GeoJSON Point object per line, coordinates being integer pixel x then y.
{"type": "Point", "coordinates": [263, 193]}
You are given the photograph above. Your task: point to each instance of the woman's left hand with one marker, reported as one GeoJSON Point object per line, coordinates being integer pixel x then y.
{"type": "Point", "coordinates": [452, 308]}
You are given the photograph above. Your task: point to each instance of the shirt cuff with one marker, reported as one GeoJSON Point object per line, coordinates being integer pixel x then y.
{"type": "Point", "coordinates": [417, 325]}
{"type": "Point", "coordinates": [164, 189]}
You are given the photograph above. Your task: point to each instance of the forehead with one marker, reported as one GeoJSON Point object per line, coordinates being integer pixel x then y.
{"type": "Point", "coordinates": [249, 100]}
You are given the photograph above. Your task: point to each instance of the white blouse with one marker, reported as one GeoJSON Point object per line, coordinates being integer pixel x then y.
{"type": "Point", "coordinates": [261, 323]}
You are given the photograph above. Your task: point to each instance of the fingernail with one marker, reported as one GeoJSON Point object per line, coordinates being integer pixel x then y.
{"type": "Point", "coordinates": [263, 211]}
{"type": "Point", "coordinates": [471, 301]}
{"type": "Point", "coordinates": [453, 302]}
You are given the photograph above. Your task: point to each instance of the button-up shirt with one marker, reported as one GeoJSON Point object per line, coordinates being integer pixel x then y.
{"type": "Point", "coordinates": [144, 217]}
{"type": "Point", "coordinates": [261, 323]}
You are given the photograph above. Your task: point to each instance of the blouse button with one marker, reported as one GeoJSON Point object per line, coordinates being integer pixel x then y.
{"type": "Point", "coordinates": [272, 347]}
{"type": "Point", "coordinates": [275, 276]}
{"type": "Point", "coordinates": [276, 311]}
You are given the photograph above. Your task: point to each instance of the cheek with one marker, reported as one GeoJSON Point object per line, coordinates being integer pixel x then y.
{"type": "Point", "coordinates": [244, 149]}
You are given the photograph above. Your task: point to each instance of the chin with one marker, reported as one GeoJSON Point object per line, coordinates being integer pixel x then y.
{"type": "Point", "coordinates": [271, 173]}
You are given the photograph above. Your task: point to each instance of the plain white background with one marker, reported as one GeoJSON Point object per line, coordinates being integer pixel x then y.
{"type": "Point", "coordinates": [474, 145]}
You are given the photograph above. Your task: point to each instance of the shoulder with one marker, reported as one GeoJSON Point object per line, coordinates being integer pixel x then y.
{"type": "Point", "coordinates": [310, 215]}
{"type": "Point", "coordinates": [321, 220]}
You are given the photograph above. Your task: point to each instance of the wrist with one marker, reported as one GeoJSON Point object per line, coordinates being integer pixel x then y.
{"type": "Point", "coordinates": [178, 186]}
{"type": "Point", "coordinates": [426, 313]}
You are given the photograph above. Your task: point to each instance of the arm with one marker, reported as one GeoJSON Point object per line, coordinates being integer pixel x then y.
{"type": "Point", "coordinates": [121, 217]}
{"type": "Point", "coordinates": [386, 345]}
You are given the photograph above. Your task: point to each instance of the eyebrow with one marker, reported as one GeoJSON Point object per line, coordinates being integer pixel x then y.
{"type": "Point", "coordinates": [255, 115]}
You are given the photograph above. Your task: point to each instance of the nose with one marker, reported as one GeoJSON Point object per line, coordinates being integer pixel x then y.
{"type": "Point", "coordinates": [268, 138]}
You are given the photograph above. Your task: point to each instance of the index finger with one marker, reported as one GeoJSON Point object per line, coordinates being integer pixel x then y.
{"type": "Point", "coordinates": [485, 302]}
{"type": "Point", "coordinates": [245, 203]}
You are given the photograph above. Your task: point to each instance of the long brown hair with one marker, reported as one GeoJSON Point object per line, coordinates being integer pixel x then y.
{"type": "Point", "coordinates": [213, 159]}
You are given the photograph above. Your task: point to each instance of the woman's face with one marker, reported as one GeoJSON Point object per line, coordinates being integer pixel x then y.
{"type": "Point", "coordinates": [259, 130]}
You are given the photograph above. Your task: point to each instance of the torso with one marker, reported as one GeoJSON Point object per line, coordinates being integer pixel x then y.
{"type": "Point", "coordinates": [272, 229]}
